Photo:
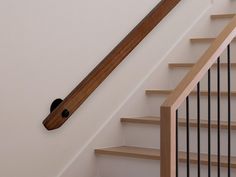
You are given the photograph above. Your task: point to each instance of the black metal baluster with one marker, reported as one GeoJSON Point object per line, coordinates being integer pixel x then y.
{"type": "Point", "coordinates": [218, 116]}
{"type": "Point", "coordinates": [209, 123]}
{"type": "Point", "coordinates": [229, 110]}
{"type": "Point", "coordinates": [198, 130]}
{"type": "Point", "coordinates": [187, 136]}
{"type": "Point", "coordinates": [177, 143]}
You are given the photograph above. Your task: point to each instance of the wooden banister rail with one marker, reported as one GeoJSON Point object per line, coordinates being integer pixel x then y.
{"type": "Point", "coordinates": [72, 102]}
{"type": "Point", "coordinates": [178, 96]}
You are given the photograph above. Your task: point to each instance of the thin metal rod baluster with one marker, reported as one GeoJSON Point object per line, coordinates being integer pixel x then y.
{"type": "Point", "coordinates": [218, 116]}
{"type": "Point", "coordinates": [229, 110]}
{"type": "Point", "coordinates": [209, 123]}
{"type": "Point", "coordinates": [198, 130]}
{"type": "Point", "coordinates": [177, 143]}
{"type": "Point", "coordinates": [187, 136]}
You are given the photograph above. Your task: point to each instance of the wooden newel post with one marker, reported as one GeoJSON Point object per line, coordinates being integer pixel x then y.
{"type": "Point", "coordinates": [168, 142]}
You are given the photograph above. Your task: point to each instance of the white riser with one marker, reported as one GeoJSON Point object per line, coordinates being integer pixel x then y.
{"type": "Point", "coordinates": [155, 101]}
{"type": "Point", "coordinates": [204, 108]}
{"type": "Point", "coordinates": [179, 73]}
{"type": "Point", "coordinates": [149, 136]}
{"type": "Point", "coordinates": [110, 166]}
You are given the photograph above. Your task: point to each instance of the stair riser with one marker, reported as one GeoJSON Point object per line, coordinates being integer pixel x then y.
{"type": "Point", "coordinates": [179, 73]}
{"type": "Point", "coordinates": [148, 136]}
{"type": "Point", "coordinates": [204, 108]}
{"type": "Point", "coordinates": [127, 167]}
{"type": "Point", "coordinates": [111, 166]}
{"type": "Point", "coordinates": [193, 52]}
{"type": "Point", "coordinates": [154, 101]}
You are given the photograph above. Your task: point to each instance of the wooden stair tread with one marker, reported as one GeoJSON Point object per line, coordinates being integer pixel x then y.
{"type": "Point", "coordinates": [142, 120]}
{"type": "Point", "coordinates": [188, 65]}
{"type": "Point", "coordinates": [222, 16]}
{"type": "Point", "coordinates": [205, 39]}
{"type": "Point", "coordinates": [128, 151]}
{"type": "Point", "coordinates": [182, 122]}
{"type": "Point", "coordinates": [154, 154]}
{"type": "Point", "coordinates": [203, 93]}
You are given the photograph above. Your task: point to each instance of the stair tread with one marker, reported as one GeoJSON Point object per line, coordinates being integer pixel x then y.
{"type": "Point", "coordinates": [222, 16]}
{"type": "Point", "coordinates": [182, 122]}
{"type": "Point", "coordinates": [203, 93]}
{"type": "Point", "coordinates": [129, 151]}
{"type": "Point", "coordinates": [187, 65]}
{"type": "Point", "coordinates": [204, 39]}
{"type": "Point", "coordinates": [142, 120]}
{"type": "Point", "coordinates": [154, 154]}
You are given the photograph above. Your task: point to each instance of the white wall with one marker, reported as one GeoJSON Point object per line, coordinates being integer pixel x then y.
{"type": "Point", "coordinates": [46, 49]}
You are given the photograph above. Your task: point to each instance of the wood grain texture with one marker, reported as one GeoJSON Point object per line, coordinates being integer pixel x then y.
{"type": "Point", "coordinates": [222, 16]}
{"type": "Point", "coordinates": [73, 101]}
{"type": "Point", "coordinates": [168, 142]}
{"type": "Point", "coordinates": [154, 154]}
{"type": "Point", "coordinates": [142, 120]}
{"type": "Point", "coordinates": [189, 65]}
{"type": "Point", "coordinates": [182, 122]}
{"type": "Point", "coordinates": [134, 152]}
{"type": "Point", "coordinates": [193, 93]}
{"type": "Point", "coordinates": [205, 39]}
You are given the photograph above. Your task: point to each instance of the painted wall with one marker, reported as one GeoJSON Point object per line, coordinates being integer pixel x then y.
{"type": "Point", "coordinates": [46, 48]}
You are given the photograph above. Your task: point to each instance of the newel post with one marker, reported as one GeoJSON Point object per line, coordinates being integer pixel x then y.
{"type": "Point", "coordinates": [168, 142]}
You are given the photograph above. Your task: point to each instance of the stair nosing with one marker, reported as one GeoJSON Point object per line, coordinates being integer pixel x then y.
{"type": "Point", "coordinates": [222, 16]}
{"type": "Point", "coordinates": [205, 39]}
{"type": "Point", "coordinates": [193, 93]}
{"type": "Point", "coordinates": [141, 120]}
{"type": "Point", "coordinates": [189, 65]}
{"type": "Point", "coordinates": [152, 154]}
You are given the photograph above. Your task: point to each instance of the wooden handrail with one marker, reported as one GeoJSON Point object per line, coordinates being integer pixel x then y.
{"type": "Point", "coordinates": [178, 96]}
{"type": "Point", "coordinates": [73, 101]}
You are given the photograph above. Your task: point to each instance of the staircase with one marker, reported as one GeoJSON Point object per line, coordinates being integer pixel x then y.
{"type": "Point", "coordinates": [141, 155]}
